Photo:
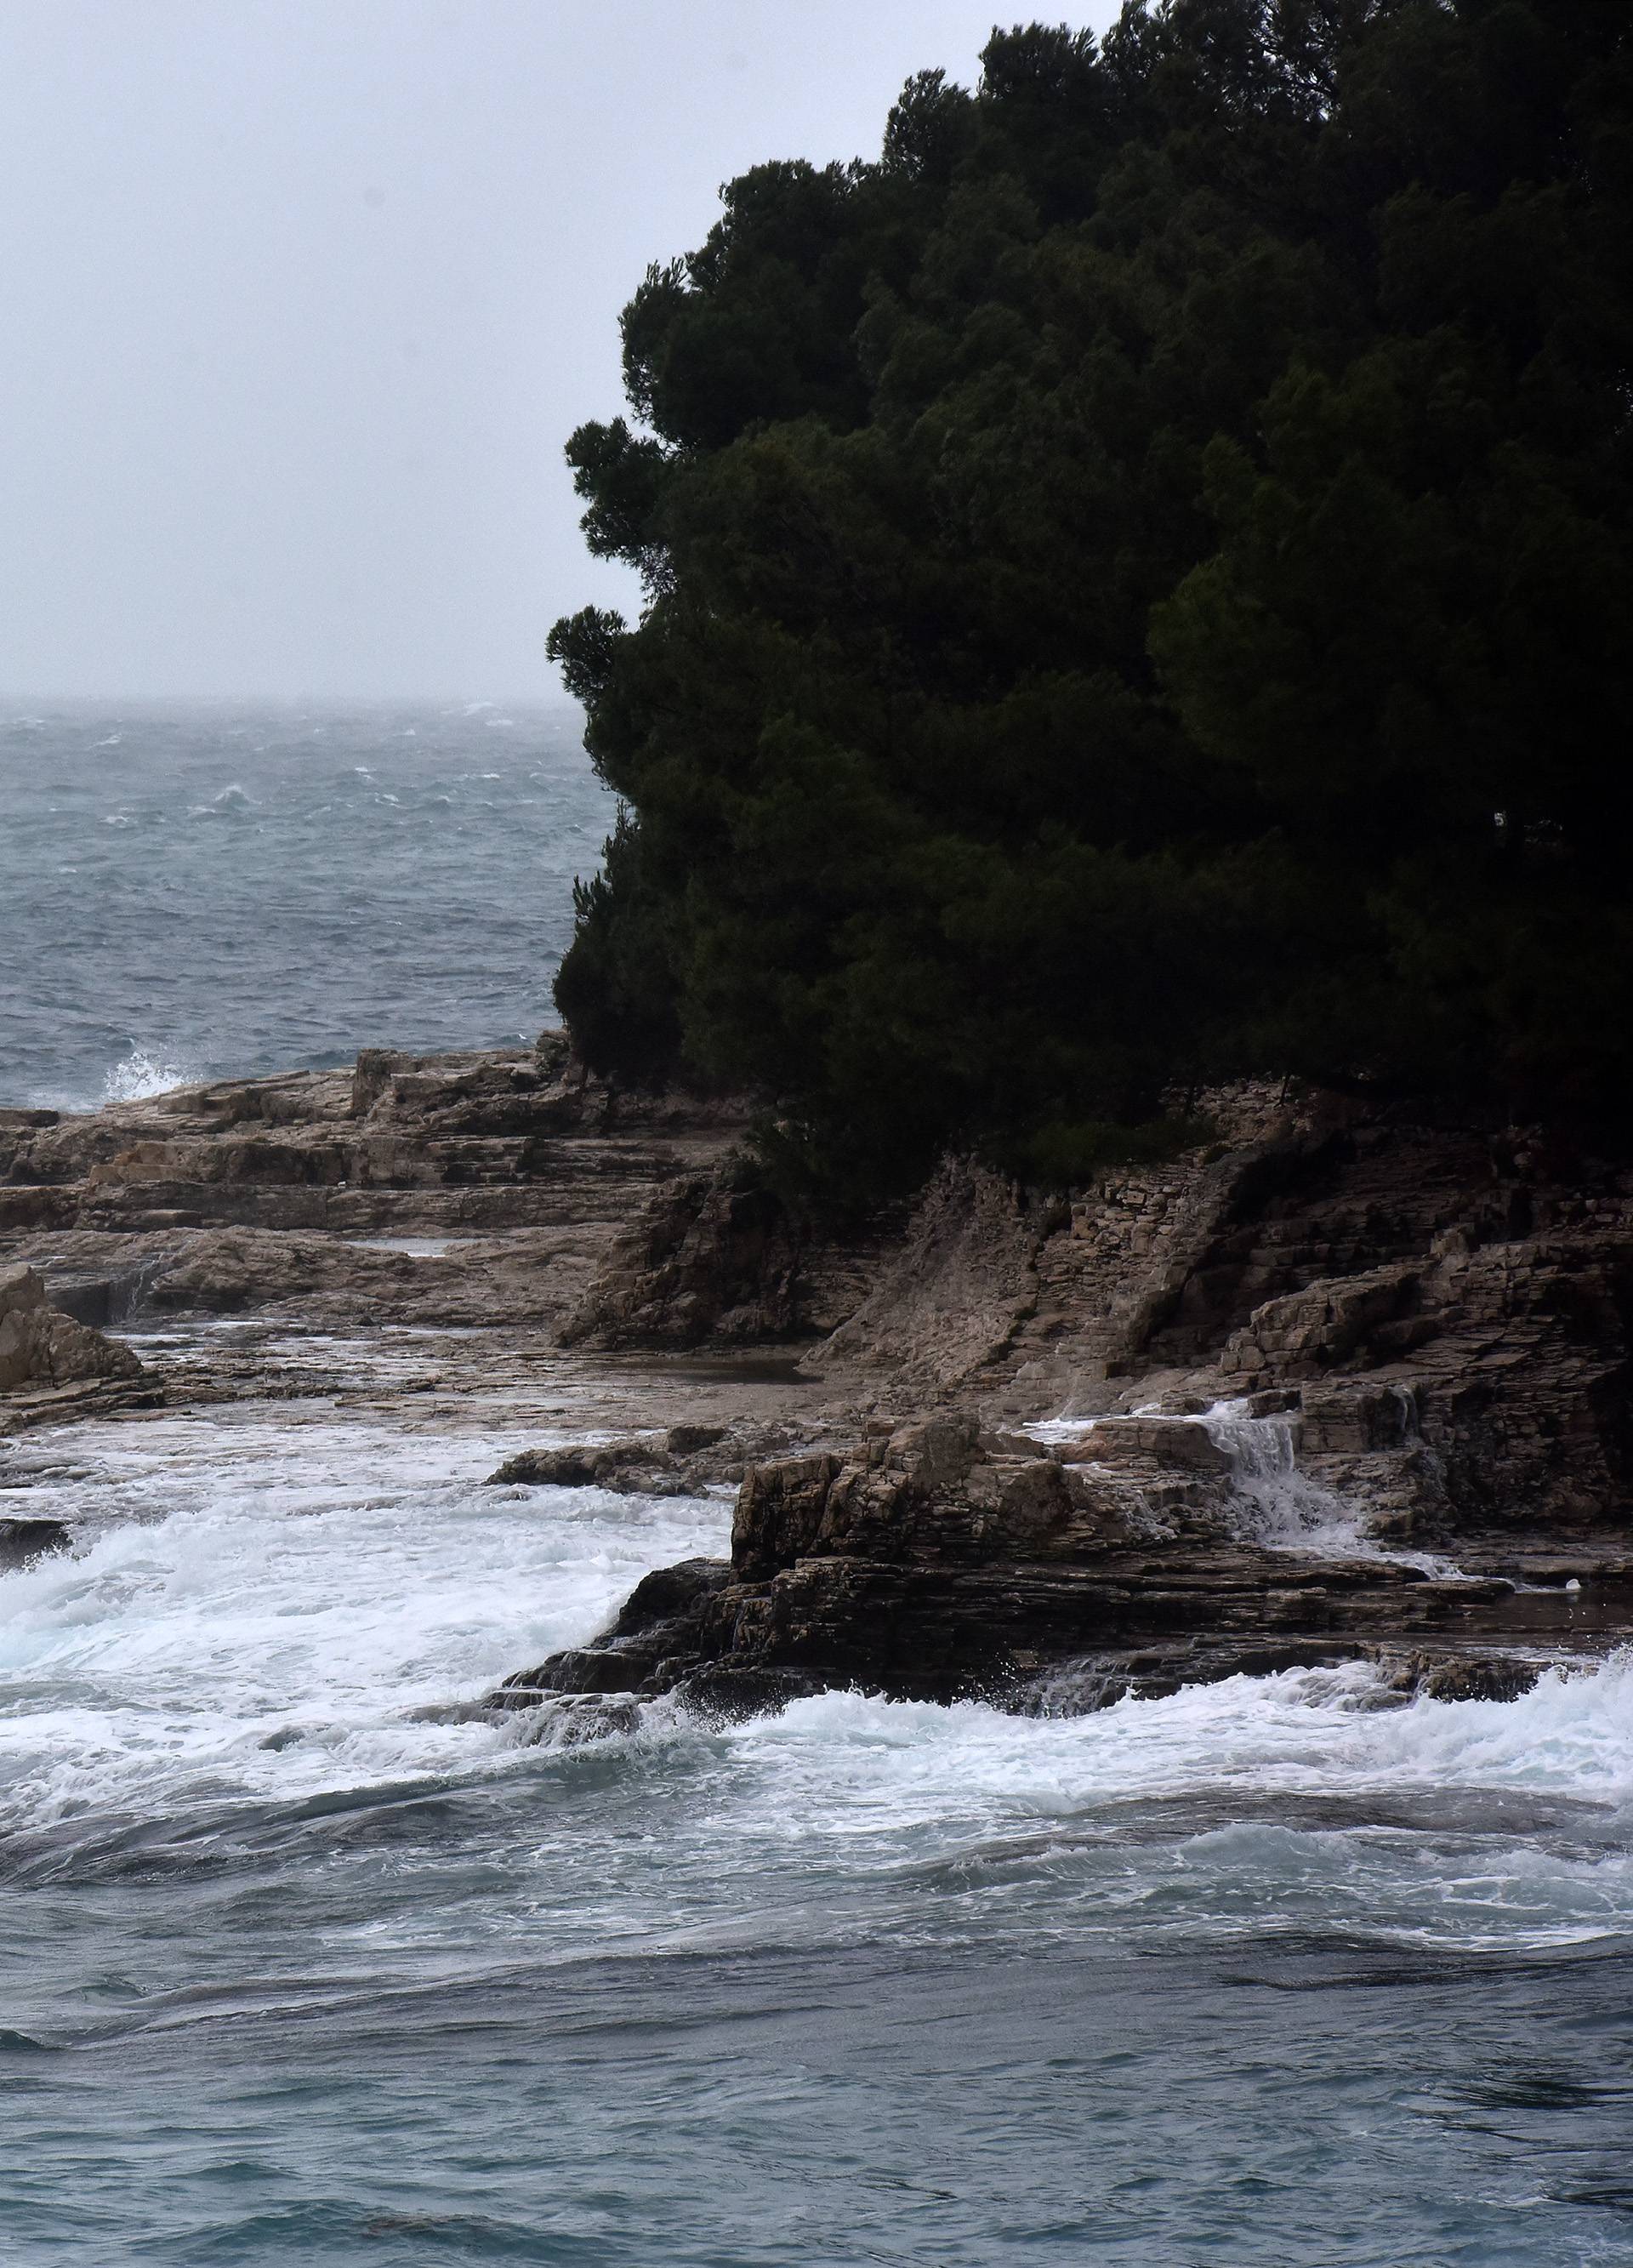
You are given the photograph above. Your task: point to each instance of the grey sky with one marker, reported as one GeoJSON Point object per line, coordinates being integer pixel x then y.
{"type": "Point", "coordinates": [302, 297]}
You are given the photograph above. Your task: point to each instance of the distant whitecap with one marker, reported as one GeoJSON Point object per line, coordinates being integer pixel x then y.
{"type": "Point", "coordinates": [227, 804]}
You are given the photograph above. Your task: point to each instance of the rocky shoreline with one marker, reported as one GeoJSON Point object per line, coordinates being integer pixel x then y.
{"type": "Point", "coordinates": [1344, 1382]}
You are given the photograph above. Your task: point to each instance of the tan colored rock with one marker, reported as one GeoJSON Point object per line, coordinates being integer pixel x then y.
{"type": "Point", "coordinates": [40, 1346]}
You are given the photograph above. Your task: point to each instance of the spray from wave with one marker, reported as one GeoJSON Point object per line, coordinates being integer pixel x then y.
{"type": "Point", "coordinates": [143, 1072]}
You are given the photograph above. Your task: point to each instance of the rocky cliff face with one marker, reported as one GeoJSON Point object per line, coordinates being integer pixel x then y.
{"type": "Point", "coordinates": [1343, 1381]}
{"type": "Point", "coordinates": [715, 1259]}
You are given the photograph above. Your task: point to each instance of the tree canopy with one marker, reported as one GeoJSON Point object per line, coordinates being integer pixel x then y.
{"type": "Point", "coordinates": [1138, 590]}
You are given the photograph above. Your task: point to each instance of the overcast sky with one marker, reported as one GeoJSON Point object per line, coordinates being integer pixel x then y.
{"type": "Point", "coordinates": [301, 298]}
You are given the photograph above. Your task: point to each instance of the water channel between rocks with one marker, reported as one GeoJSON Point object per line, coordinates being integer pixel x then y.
{"type": "Point", "coordinates": [322, 1964]}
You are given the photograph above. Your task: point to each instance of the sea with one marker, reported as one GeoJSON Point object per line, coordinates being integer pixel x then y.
{"type": "Point", "coordinates": [201, 892]}
{"type": "Point", "coordinates": [307, 1959]}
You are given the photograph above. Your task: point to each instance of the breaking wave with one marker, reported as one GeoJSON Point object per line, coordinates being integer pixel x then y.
{"type": "Point", "coordinates": [145, 1071]}
{"type": "Point", "coordinates": [265, 1853]}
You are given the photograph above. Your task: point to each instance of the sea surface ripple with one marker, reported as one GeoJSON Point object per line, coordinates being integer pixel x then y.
{"type": "Point", "coordinates": [215, 890]}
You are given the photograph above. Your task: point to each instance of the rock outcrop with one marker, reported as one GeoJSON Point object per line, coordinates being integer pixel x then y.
{"type": "Point", "coordinates": [1345, 1381]}
{"type": "Point", "coordinates": [685, 1460]}
{"type": "Point", "coordinates": [717, 1259]}
{"type": "Point", "coordinates": [1344, 1376]}
{"type": "Point", "coordinates": [947, 1559]}
{"type": "Point", "coordinates": [50, 1364]}
{"type": "Point", "coordinates": [457, 1189]}
{"type": "Point", "coordinates": [22, 1541]}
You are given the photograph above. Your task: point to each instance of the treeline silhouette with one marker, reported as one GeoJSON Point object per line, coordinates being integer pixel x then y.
{"type": "Point", "coordinates": [1138, 591]}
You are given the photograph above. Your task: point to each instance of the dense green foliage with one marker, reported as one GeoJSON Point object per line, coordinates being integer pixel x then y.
{"type": "Point", "coordinates": [1139, 589]}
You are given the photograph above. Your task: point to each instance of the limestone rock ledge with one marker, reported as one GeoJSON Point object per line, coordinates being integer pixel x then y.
{"type": "Point", "coordinates": [946, 1560]}
{"type": "Point", "coordinates": [459, 1190]}
{"type": "Point", "coordinates": [52, 1367]}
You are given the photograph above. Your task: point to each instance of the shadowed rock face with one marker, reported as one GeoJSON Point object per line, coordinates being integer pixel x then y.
{"type": "Point", "coordinates": [1360, 1385]}
{"type": "Point", "coordinates": [22, 1541]}
{"type": "Point", "coordinates": [43, 1353]}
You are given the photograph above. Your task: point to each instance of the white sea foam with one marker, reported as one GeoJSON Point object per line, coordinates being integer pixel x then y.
{"type": "Point", "coordinates": [142, 1073]}
{"type": "Point", "coordinates": [1278, 1504]}
{"type": "Point", "coordinates": [1301, 1730]}
{"type": "Point", "coordinates": [279, 1606]}
{"type": "Point", "coordinates": [1398, 1822]}
{"type": "Point", "coordinates": [1051, 1430]}
{"type": "Point", "coordinates": [312, 1585]}
{"type": "Point", "coordinates": [231, 802]}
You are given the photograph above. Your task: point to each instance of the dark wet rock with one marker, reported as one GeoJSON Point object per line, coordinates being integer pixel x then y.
{"type": "Point", "coordinates": [723, 1693]}
{"type": "Point", "coordinates": [688, 1440]}
{"type": "Point", "coordinates": [575, 1720]}
{"type": "Point", "coordinates": [688, 1460]}
{"type": "Point", "coordinates": [613, 1464]}
{"type": "Point", "coordinates": [1452, 1672]}
{"type": "Point", "coordinates": [22, 1541]}
{"type": "Point", "coordinates": [946, 1560]}
{"type": "Point", "coordinates": [638, 1468]}
{"type": "Point", "coordinates": [1467, 1676]}
{"type": "Point", "coordinates": [657, 1638]}
{"type": "Point", "coordinates": [667, 1596]}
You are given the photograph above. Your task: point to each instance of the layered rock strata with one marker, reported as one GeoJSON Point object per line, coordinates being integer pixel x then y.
{"type": "Point", "coordinates": [52, 1365]}
{"type": "Point", "coordinates": [1419, 1328]}
{"type": "Point", "coordinates": [946, 1559]}
{"type": "Point", "coordinates": [1347, 1382]}
{"type": "Point", "coordinates": [449, 1188]}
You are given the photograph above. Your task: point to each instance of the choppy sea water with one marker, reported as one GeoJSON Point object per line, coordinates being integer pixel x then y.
{"type": "Point", "coordinates": [202, 892]}
{"type": "Point", "coordinates": [303, 1963]}
{"type": "Point", "coordinates": [303, 1960]}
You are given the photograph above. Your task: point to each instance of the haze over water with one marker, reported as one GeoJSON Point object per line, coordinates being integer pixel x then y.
{"type": "Point", "coordinates": [200, 891]}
